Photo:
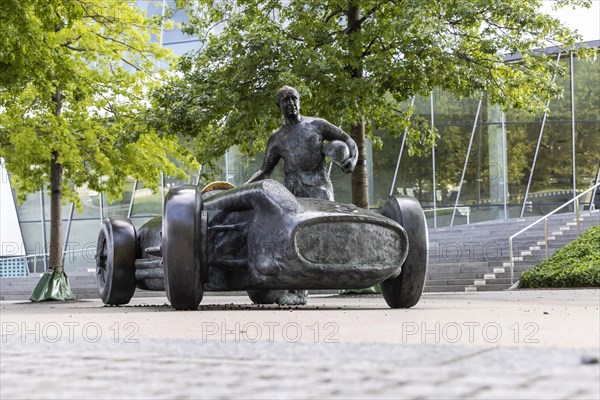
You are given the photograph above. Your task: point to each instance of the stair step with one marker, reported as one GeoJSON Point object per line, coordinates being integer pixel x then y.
{"type": "Point", "coordinates": [444, 288]}
{"type": "Point", "coordinates": [489, 276]}
{"type": "Point", "coordinates": [471, 289]}
{"type": "Point", "coordinates": [492, 288]}
{"type": "Point", "coordinates": [500, 270]}
{"type": "Point", "coordinates": [479, 282]}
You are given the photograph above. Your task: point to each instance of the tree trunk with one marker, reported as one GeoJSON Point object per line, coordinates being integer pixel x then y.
{"type": "Point", "coordinates": [56, 181]}
{"type": "Point", "coordinates": [360, 177]}
{"type": "Point", "coordinates": [56, 239]}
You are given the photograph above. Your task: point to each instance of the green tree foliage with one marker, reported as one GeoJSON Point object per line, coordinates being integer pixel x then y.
{"type": "Point", "coordinates": [575, 265]}
{"type": "Point", "coordinates": [74, 81]}
{"type": "Point", "coordinates": [353, 63]}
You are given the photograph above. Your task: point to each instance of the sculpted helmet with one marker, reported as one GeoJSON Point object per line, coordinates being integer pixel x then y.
{"type": "Point", "coordinates": [337, 151]}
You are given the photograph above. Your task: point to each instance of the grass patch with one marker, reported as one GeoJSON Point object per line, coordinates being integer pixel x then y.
{"type": "Point", "coordinates": [575, 265]}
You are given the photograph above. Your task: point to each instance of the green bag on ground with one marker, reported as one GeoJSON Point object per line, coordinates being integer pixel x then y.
{"type": "Point", "coordinates": [371, 290]}
{"type": "Point", "coordinates": [52, 286]}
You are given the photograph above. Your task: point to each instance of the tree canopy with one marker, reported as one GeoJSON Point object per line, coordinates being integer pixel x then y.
{"type": "Point", "coordinates": [74, 91]}
{"type": "Point", "coordinates": [75, 78]}
{"type": "Point", "coordinates": [352, 62]}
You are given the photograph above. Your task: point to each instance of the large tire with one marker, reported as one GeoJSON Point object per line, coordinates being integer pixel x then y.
{"type": "Point", "coordinates": [115, 261]}
{"type": "Point", "coordinates": [405, 290]}
{"type": "Point", "coordinates": [181, 247]}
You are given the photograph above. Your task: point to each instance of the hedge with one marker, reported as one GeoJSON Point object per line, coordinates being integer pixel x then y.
{"type": "Point", "coordinates": [575, 265]}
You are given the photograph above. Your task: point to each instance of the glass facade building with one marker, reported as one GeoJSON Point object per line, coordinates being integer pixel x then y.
{"type": "Point", "coordinates": [488, 163]}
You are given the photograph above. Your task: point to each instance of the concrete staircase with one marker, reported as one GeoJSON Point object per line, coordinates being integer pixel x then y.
{"type": "Point", "coordinates": [476, 257]}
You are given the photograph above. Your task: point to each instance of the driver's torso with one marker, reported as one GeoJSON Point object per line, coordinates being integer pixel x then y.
{"type": "Point", "coordinates": [301, 147]}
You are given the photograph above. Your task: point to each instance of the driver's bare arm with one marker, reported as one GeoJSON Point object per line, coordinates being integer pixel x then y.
{"type": "Point", "coordinates": [270, 161]}
{"type": "Point", "coordinates": [331, 132]}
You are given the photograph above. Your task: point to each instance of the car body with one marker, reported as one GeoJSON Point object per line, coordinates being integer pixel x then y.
{"type": "Point", "coordinates": [260, 237]}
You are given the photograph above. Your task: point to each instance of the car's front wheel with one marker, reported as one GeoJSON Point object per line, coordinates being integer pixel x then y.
{"type": "Point", "coordinates": [181, 247]}
{"type": "Point", "coordinates": [405, 290]}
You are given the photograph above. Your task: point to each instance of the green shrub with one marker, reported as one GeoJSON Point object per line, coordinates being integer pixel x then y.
{"type": "Point", "coordinates": [575, 265]}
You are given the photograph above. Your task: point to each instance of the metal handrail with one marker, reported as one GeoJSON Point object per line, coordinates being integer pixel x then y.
{"type": "Point", "coordinates": [545, 219]}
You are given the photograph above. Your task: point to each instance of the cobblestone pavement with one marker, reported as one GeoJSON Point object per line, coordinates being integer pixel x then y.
{"type": "Point", "coordinates": [189, 370]}
{"type": "Point", "coordinates": [64, 359]}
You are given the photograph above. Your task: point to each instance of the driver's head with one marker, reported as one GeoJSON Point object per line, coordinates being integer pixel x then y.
{"type": "Point", "coordinates": [288, 100]}
{"type": "Point", "coordinates": [284, 92]}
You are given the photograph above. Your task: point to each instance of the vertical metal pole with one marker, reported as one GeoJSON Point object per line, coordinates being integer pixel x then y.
{"type": "Point", "coordinates": [462, 177]}
{"type": "Point", "coordinates": [162, 25]}
{"type": "Point", "coordinates": [43, 212]}
{"type": "Point", "coordinates": [504, 168]}
{"type": "Point", "coordinates": [101, 208]}
{"type": "Point", "coordinates": [573, 125]}
{"type": "Point", "coordinates": [592, 200]}
{"type": "Point", "coordinates": [546, 237]}
{"type": "Point", "coordinates": [162, 192]}
{"type": "Point", "coordinates": [537, 149]}
{"type": "Point", "coordinates": [131, 200]}
{"type": "Point", "coordinates": [227, 165]}
{"type": "Point", "coordinates": [199, 173]}
{"type": "Point", "coordinates": [433, 167]}
{"type": "Point", "coordinates": [512, 260]}
{"type": "Point", "coordinates": [577, 216]}
{"type": "Point", "coordinates": [68, 229]}
{"type": "Point", "coordinates": [412, 102]}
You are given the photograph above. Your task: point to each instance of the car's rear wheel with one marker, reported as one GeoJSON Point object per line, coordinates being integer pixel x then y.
{"type": "Point", "coordinates": [115, 261]}
{"type": "Point", "coordinates": [181, 247]}
{"type": "Point", "coordinates": [405, 290]}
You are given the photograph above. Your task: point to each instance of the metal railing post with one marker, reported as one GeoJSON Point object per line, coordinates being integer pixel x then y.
{"type": "Point", "coordinates": [512, 261]}
{"type": "Point", "coordinates": [577, 215]}
{"type": "Point", "coordinates": [546, 237]}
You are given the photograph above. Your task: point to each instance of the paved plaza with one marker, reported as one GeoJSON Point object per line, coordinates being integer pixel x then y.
{"type": "Point", "coordinates": [484, 345]}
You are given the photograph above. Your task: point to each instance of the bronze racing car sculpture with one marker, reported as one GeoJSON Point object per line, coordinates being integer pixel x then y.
{"type": "Point", "coordinates": [259, 238]}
